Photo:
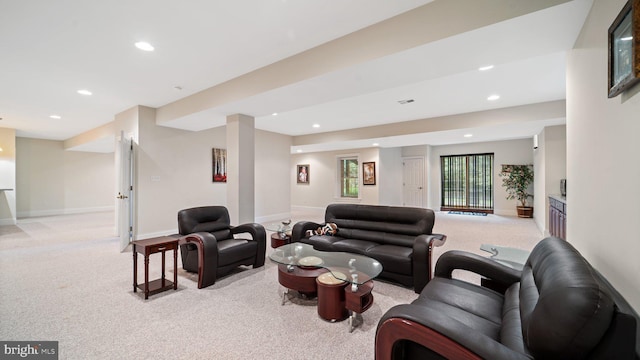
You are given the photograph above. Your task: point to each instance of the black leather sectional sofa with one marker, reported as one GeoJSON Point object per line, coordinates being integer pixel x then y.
{"type": "Point", "coordinates": [400, 238]}
{"type": "Point", "coordinates": [557, 307]}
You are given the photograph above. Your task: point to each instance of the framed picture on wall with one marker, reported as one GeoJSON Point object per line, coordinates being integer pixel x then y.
{"type": "Point", "coordinates": [368, 173]}
{"type": "Point", "coordinates": [303, 174]}
{"type": "Point", "coordinates": [219, 165]}
{"type": "Point", "coordinates": [624, 49]}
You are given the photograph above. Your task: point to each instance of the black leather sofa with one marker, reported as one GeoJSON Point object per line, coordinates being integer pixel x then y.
{"type": "Point", "coordinates": [400, 238]}
{"type": "Point", "coordinates": [557, 307]}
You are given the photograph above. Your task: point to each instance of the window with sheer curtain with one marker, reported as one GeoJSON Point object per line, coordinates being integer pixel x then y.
{"type": "Point", "coordinates": [467, 182]}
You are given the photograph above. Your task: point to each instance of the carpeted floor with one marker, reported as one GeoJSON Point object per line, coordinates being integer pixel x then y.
{"type": "Point", "coordinates": [63, 279]}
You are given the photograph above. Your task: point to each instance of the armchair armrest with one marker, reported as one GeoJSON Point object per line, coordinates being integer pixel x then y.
{"type": "Point", "coordinates": [259, 235]}
{"type": "Point", "coordinates": [207, 245]}
{"type": "Point", "coordinates": [437, 332]}
{"type": "Point", "coordinates": [462, 260]}
{"type": "Point", "coordinates": [422, 258]}
{"type": "Point", "coordinates": [301, 227]}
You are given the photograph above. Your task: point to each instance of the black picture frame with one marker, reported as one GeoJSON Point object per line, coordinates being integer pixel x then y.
{"type": "Point", "coordinates": [624, 49]}
{"type": "Point", "coordinates": [368, 173]}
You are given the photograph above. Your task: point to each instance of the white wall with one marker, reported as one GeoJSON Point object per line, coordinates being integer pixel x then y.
{"type": "Point", "coordinates": [272, 177]}
{"type": "Point", "coordinates": [511, 152]}
{"type": "Point", "coordinates": [8, 214]}
{"type": "Point", "coordinates": [602, 158]}
{"type": "Point", "coordinates": [389, 172]}
{"type": "Point", "coordinates": [550, 165]}
{"type": "Point", "coordinates": [52, 181]}
{"type": "Point", "coordinates": [321, 189]}
{"type": "Point", "coordinates": [175, 172]}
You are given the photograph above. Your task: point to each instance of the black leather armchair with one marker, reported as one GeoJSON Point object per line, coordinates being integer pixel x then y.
{"type": "Point", "coordinates": [208, 245]}
{"type": "Point", "coordinates": [557, 307]}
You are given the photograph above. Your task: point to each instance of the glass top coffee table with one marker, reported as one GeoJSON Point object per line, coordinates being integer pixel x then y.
{"type": "Point", "coordinates": [342, 281]}
{"type": "Point", "coordinates": [352, 268]}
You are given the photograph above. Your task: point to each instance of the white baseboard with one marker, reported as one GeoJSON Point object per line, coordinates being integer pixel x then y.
{"type": "Point", "coordinates": [273, 217]}
{"type": "Point", "coordinates": [309, 209]}
{"type": "Point", "coordinates": [54, 212]}
{"type": "Point", "coordinates": [7, 222]}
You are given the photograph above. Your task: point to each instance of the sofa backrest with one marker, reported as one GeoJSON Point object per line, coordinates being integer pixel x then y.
{"type": "Point", "coordinates": [383, 224]}
{"type": "Point", "coordinates": [565, 309]}
{"type": "Point", "coordinates": [211, 219]}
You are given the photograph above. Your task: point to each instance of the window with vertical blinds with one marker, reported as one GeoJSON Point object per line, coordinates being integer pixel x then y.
{"type": "Point", "coordinates": [467, 182]}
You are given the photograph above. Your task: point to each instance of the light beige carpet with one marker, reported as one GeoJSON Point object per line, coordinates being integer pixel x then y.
{"type": "Point", "coordinates": [63, 279]}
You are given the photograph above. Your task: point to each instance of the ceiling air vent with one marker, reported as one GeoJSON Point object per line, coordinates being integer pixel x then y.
{"type": "Point", "coordinates": [403, 102]}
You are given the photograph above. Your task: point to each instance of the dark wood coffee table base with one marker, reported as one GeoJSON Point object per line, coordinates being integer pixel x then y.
{"type": "Point", "coordinates": [300, 279]}
{"type": "Point", "coordinates": [358, 302]}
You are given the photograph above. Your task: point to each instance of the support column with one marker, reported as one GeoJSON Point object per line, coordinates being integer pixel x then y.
{"type": "Point", "coordinates": [241, 168]}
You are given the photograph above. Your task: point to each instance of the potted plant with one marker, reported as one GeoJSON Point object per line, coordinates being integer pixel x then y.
{"type": "Point", "coordinates": [517, 182]}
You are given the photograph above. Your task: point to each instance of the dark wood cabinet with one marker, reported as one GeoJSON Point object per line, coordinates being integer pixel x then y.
{"type": "Point", "coordinates": [558, 217]}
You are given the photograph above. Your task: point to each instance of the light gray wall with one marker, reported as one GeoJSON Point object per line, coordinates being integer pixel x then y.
{"type": "Point", "coordinates": [602, 158]}
{"type": "Point", "coordinates": [321, 189]}
{"type": "Point", "coordinates": [175, 172]}
{"type": "Point", "coordinates": [52, 181]}
{"type": "Point", "coordinates": [389, 173]}
{"type": "Point", "coordinates": [8, 214]}
{"type": "Point", "coordinates": [550, 165]}
{"type": "Point", "coordinates": [273, 183]}
{"type": "Point", "coordinates": [510, 152]}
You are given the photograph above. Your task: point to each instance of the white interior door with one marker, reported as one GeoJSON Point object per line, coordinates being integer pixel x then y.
{"type": "Point", "coordinates": [413, 182]}
{"type": "Point", "coordinates": [125, 191]}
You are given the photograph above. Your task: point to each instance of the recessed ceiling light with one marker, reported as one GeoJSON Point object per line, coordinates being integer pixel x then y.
{"type": "Point", "coordinates": [274, 114]}
{"type": "Point", "coordinates": [468, 135]}
{"type": "Point", "coordinates": [316, 125]}
{"type": "Point", "coordinates": [0, 149]}
{"type": "Point", "coordinates": [485, 68]}
{"type": "Point", "coordinates": [493, 97]}
{"type": "Point", "coordinates": [375, 144]}
{"type": "Point", "coordinates": [144, 46]}
{"type": "Point", "coordinates": [299, 151]}
{"type": "Point", "coordinates": [84, 92]}
{"type": "Point", "coordinates": [55, 116]}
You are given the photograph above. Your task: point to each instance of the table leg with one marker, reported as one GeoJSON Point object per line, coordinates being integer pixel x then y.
{"type": "Point", "coordinates": [163, 264]}
{"type": "Point", "coordinates": [135, 269]}
{"type": "Point", "coordinates": [146, 276]}
{"type": "Point", "coordinates": [175, 269]}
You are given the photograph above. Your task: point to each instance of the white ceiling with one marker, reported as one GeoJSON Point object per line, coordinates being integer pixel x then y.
{"type": "Point", "coordinates": [51, 49]}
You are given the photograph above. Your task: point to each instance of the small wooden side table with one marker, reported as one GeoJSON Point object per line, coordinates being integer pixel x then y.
{"type": "Point", "coordinates": [151, 246]}
{"type": "Point", "coordinates": [278, 240]}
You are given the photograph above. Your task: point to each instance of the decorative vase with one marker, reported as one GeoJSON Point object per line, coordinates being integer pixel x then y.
{"type": "Point", "coordinates": [525, 211]}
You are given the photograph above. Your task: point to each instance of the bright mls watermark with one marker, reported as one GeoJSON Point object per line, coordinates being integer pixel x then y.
{"type": "Point", "coordinates": [29, 350]}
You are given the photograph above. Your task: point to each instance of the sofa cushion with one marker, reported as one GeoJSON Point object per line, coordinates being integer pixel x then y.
{"type": "Point", "coordinates": [477, 307]}
{"type": "Point", "coordinates": [234, 250]}
{"type": "Point", "coordinates": [511, 332]}
{"type": "Point", "coordinates": [321, 242]}
{"type": "Point", "coordinates": [353, 246]}
{"type": "Point", "coordinates": [395, 259]}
